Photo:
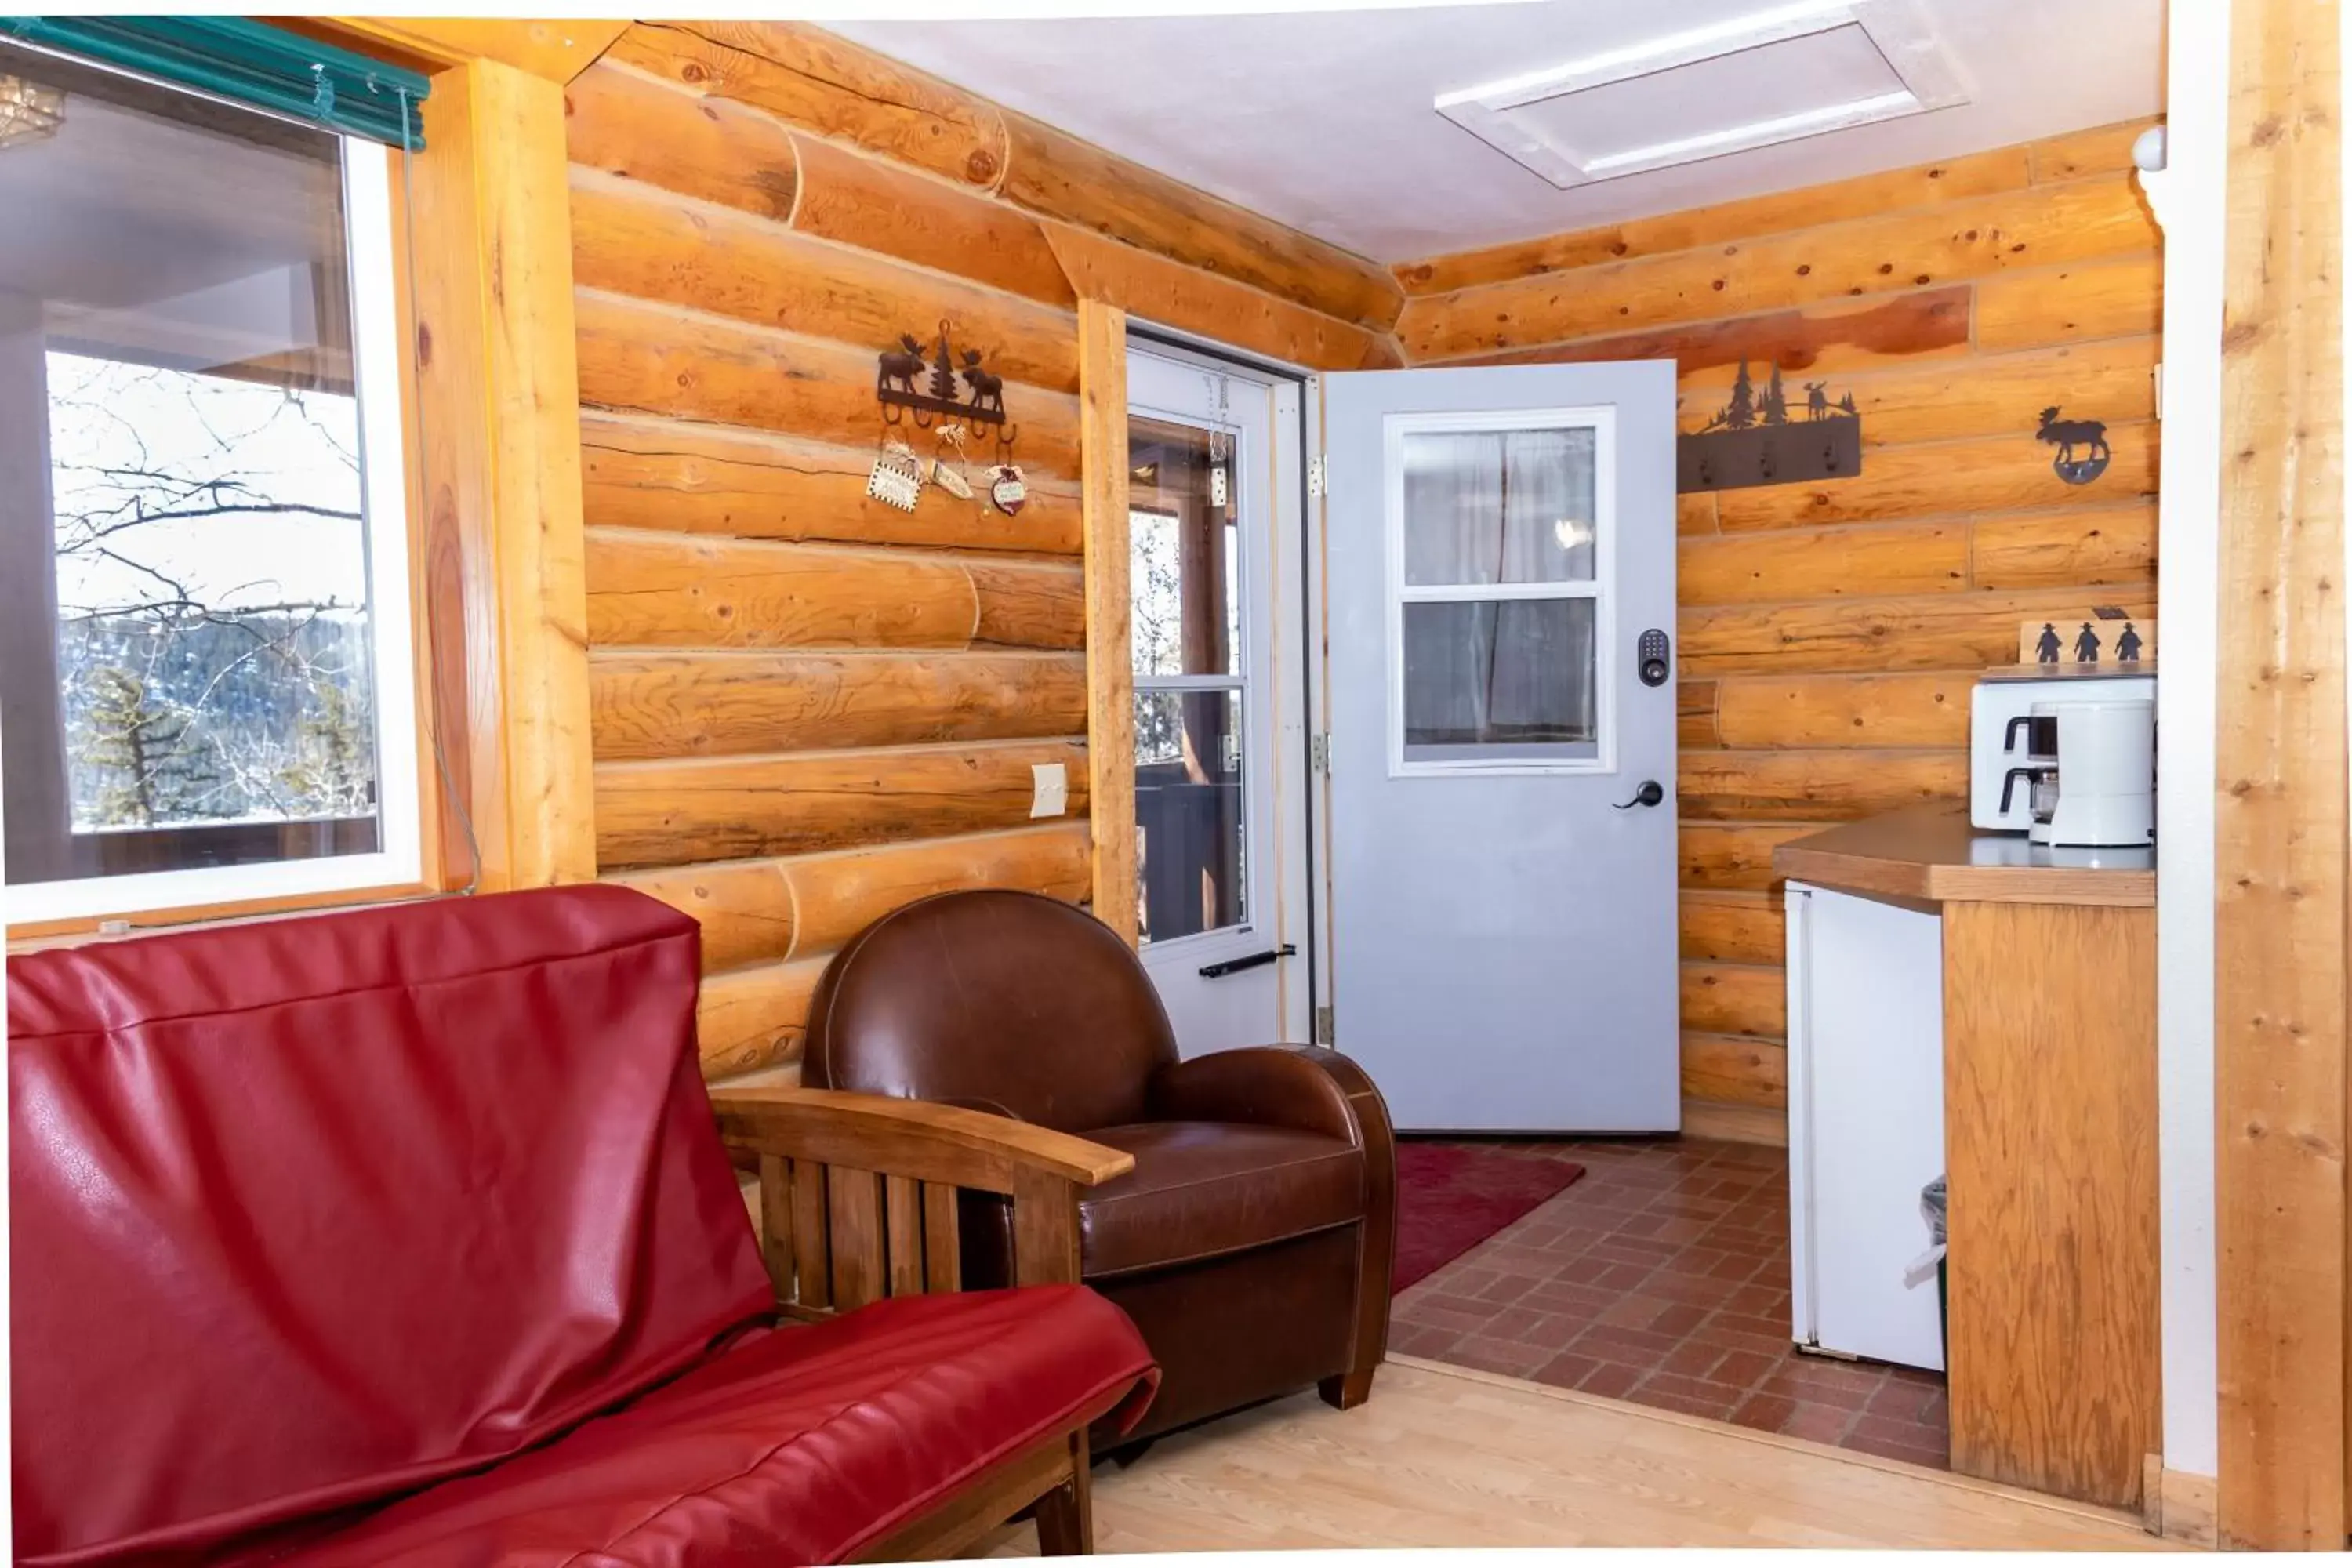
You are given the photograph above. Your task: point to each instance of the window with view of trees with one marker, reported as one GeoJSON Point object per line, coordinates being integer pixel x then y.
{"type": "Point", "coordinates": [201, 591]}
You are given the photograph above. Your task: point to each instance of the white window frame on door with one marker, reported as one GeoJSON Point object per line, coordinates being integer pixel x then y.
{"type": "Point", "coordinates": [1251, 467]}
{"type": "Point", "coordinates": [1602, 420]}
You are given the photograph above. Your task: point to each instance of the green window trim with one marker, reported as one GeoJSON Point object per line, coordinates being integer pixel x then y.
{"type": "Point", "coordinates": [247, 62]}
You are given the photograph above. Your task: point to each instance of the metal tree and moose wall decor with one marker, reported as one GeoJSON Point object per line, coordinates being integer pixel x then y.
{"type": "Point", "coordinates": [1753, 439]}
{"type": "Point", "coordinates": [899, 475]}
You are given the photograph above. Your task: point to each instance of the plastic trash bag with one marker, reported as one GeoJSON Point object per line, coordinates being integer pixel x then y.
{"type": "Point", "coordinates": [1933, 1199]}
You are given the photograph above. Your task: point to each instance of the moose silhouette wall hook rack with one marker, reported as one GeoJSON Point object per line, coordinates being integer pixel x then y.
{"type": "Point", "coordinates": [1757, 439]}
{"type": "Point", "coordinates": [905, 379]}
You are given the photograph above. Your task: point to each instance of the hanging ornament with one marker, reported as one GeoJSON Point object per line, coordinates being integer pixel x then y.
{"type": "Point", "coordinates": [1008, 490]}
{"type": "Point", "coordinates": [897, 478]}
{"type": "Point", "coordinates": [948, 474]}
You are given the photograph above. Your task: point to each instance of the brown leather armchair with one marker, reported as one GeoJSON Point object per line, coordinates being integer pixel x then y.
{"type": "Point", "coordinates": [1253, 1241]}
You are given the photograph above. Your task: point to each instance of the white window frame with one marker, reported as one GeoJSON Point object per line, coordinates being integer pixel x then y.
{"type": "Point", "coordinates": [1247, 469]}
{"type": "Point", "coordinates": [398, 859]}
{"type": "Point", "coordinates": [1600, 587]}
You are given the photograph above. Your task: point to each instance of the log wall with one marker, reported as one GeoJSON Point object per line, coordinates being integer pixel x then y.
{"type": "Point", "coordinates": [807, 707]}
{"type": "Point", "coordinates": [1830, 633]}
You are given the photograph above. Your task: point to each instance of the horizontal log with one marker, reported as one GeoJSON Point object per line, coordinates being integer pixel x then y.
{"type": "Point", "coordinates": [675, 813]}
{"type": "Point", "coordinates": [1056, 175]}
{"type": "Point", "coordinates": [1822, 562]}
{"type": "Point", "coordinates": [841, 895]}
{"type": "Point", "coordinates": [1174, 294]}
{"type": "Point", "coordinates": [1694, 715]}
{"type": "Point", "coordinates": [1839, 338]}
{"type": "Point", "coordinates": [2112, 382]}
{"type": "Point", "coordinates": [640, 471]}
{"type": "Point", "coordinates": [642, 358]}
{"type": "Point", "coordinates": [1040, 605]}
{"type": "Point", "coordinates": [665, 590]}
{"type": "Point", "coordinates": [1766, 1126]}
{"type": "Point", "coordinates": [1860, 710]}
{"type": "Point", "coordinates": [1733, 1070]}
{"type": "Point", "coordinates": [876, 205]}
{"type": "Point", "coordinates": [1733, 928]}
{"type": "Point", "coordinates": [1997, 473]}
{"type": "Point", "coordinates": [2120, 297]}
{"type": "Point", "coordinates": [767, 911]}
{"type": "Point", "coordinates": [1695, 512]}
{"type": "Point", "coordinates": [1926, 631]}
{"type": "Point", "coordinates": [1784, 785]}
{"type": "Point", "coordinates": [754, 1018]}
{"type": "Point", "coordinates": [744, 907]}
{"type": "Point", "coordinates": [2080, 154]}
{"type": "Point", "coordinates": [654, 705]}
{"type": "Point", "coordinates": [1716, 856]}
{"type": "Point", "coordinates": [2033, 550]}
{"type": "Point", "coordinates": [1727, 223]}
{"type": "Point", "coordinates": [627, 239]}
{"type": "Point", "coordinates": [2041, 226]}
{"type": "Point", "coordinates": [814, 79]}
{"type": "Point", "coordinates": [1734, 999]}
{"type": "Point", "coordinates": [639, 127]}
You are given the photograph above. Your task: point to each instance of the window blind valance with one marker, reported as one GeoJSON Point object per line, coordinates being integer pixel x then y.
{"type": "Point", "coordinates": [247, 62]}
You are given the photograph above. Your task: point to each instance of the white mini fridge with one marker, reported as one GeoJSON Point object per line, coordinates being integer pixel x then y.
{"type": "Point", "coordinates": [1866, 1122]}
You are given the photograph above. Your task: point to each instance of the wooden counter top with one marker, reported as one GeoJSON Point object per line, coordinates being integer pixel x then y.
{"type": "Point", "coordinates": [1931, 852]}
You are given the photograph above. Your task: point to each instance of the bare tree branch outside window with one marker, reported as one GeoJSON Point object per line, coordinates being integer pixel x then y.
{"type": "Point", "coordinates": [211, 629]}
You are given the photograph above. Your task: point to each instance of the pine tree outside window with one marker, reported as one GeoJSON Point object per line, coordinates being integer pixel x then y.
{"type": "Point", "coordinates": [206, 692]}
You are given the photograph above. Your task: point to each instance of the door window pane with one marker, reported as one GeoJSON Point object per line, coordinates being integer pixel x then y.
{"type": "Point", "coordinates": [186, 636]}
{"type": "Point", "coordinates": [1499, 680]}
{"type": "Point", "coordinates": [1498, 506]}
{"type": "Point", "coordinates": [1188, 812]}
{"type": "Point", "coordinates": [1182, 582]}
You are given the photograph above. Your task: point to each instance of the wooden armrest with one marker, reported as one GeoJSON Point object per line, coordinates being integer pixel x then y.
{"type": "Point", "coordinates": [911, 1138]}
{"type": "Point", "coordinates": [858, 1192]}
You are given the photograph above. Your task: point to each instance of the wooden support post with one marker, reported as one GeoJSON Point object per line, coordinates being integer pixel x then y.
{"type": "Point", "coordinates": [498, 421]}
{"type": "Point", "coordinates": [1110, 677]}
{"type": "Point", "coordinates": [2279, 839]}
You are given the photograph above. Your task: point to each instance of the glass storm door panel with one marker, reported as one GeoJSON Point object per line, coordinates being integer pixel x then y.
{"type": "Point", "coordinates": [1217, 720]}
{"type": "Point", "coordinates": [1503, 948]}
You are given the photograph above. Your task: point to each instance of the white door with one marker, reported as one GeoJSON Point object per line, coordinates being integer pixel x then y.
{"type": "Point", "coordinates": [1216, 529]}
{"type": "Point", "coordinates": [1500, 551]}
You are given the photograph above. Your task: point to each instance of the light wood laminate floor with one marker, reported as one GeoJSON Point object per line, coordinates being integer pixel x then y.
{"type": "Point", "coordinates": [1445, 1456]}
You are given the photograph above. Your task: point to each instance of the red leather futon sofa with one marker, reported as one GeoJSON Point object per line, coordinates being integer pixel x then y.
{"type": "Point", "coordinates": [408, 1237]}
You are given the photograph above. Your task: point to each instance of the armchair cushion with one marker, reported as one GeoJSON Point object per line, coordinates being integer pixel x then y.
{"type": "Point", "coordinates": [1268, 1086]}
{"type": "Point", "coordinates": [803, 1445]}
{"type": "Point", "coordinates": [1201, 1189]}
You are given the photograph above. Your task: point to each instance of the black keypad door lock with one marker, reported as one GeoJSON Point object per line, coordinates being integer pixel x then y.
{"type": "Point", "coordinates": [1655, 662]}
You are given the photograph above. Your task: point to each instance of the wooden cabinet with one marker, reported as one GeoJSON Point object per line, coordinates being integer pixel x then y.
{"type": "Point", "coordinates": [2049, 1007]}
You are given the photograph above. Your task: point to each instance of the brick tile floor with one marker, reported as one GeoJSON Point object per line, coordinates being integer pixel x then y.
{"type": "Point", "coordinates": [1661, 1277]}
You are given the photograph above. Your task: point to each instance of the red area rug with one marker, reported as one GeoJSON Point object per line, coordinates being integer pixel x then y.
{"type": "Point", "coordinates": [1450, 1198]}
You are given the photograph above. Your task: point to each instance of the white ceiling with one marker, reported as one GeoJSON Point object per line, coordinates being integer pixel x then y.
{"type": "Point", "coordinates": [1324, 119]}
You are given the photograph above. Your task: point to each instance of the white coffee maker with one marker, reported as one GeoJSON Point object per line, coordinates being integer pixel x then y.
{"type": "Point", "coordinates": [2101, 792]}
{"type": "Point", "coordinates": [2092, 773]}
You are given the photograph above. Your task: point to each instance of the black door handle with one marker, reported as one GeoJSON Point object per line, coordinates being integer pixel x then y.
{"type": "Point", "coordinates": [1650, 793]}
{"type": "Point", "coordinates": [1254, 961]}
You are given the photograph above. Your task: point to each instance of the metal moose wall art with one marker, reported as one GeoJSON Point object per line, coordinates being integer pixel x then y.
{"type": "Point", "coordinates": [2082, 446]}
{"type": "Point", "coordinates": [897, 370]}
{"type": "Point", "coordinates": [904, 381]}
{"type": "Point", "coordinates": [1753, 439]}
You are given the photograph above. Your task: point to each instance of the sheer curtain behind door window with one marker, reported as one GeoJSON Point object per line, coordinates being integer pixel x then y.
{"type": "Point", "coordinates": [1499, 676]}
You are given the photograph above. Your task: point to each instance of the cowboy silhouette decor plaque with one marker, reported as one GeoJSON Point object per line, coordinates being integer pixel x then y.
{"type": "Point", "coordinates": [1756, 440]}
